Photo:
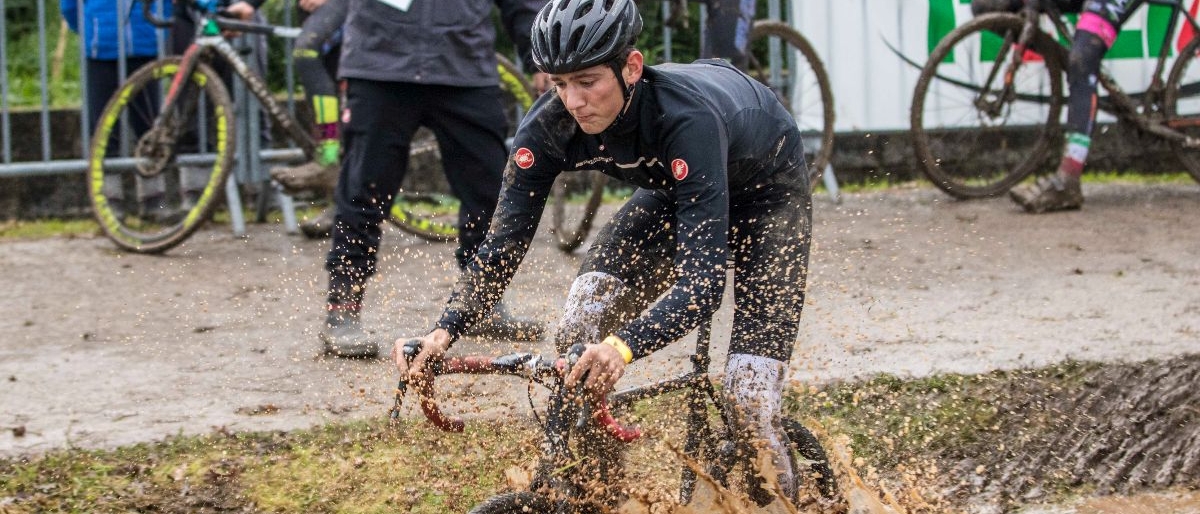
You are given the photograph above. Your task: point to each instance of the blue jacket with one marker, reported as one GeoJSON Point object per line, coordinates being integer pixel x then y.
{"type": "Point", "coordinates": [101, 19]}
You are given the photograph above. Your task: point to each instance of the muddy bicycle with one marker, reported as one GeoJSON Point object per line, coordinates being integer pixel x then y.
{"type": "Point", "coordinates": [171, 123]}
{"type": "Point", "coordinates": [779, 57]}
{"type": "Point", "coordinates": [582, 442]}
{"type": "Point", "coordinates": [986, 110]}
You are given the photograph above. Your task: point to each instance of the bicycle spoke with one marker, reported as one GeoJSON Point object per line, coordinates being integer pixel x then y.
{"type": "Point", "coordinates": [984, 116]}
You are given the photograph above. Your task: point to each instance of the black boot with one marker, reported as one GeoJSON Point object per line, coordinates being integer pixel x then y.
{"type": "Point", "coordinates": [343, 334]}
{"type": "Point", "coordinates": [319, 226]}
{"type": "Point", "coordinates": [501, 325]}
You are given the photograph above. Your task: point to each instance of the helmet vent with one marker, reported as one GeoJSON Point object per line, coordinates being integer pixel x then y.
{"type": "Point", "coordinates": [573, 44]}
{"type": "Point", "coordinates": [584, 9]}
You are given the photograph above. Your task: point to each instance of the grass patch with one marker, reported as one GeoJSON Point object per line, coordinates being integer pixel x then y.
{"type": "Point", "coordinates": [353, 467]}
{"type": "Point", "coordinates": [898, 430]}
{"type": "Point", "coordinates": [52, 227]}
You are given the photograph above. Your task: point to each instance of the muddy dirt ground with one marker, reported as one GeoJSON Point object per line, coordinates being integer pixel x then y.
{"type": "Point", "coordinates": [104, 348]}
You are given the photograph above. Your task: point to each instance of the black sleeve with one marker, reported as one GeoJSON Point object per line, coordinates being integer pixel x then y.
{"type": "Point", "coordinates": [699, 144]}
{"type": "Point", "coordinates": [528, 178]}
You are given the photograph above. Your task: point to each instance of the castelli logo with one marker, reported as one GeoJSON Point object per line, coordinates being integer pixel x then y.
{"type": "Point", "coordinates": [523, 158]}
{"type": "Point", "coordinates": [346, 115]}
{"type": "Point", "coordinates": [679, 169]}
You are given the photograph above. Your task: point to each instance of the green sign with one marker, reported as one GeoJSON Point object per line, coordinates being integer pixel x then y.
{"type": "Point", "coordinates": [1130, 43]}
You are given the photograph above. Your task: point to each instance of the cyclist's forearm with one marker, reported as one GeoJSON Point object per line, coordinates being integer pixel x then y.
{"type": "Point", "coordinates": [485, 278]}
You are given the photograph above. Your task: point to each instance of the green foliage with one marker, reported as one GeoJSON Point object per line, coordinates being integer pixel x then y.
{"type": "Point", "coordinates": [23, 59]}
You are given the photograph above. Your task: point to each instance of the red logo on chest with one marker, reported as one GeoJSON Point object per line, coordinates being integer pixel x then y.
{"type": "Point", "coordinates": [679, 169]}
{"type": "Point", "coordinates": [523, 158]}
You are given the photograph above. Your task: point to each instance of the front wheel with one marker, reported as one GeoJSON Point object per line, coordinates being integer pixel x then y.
{"type": "Point", "coordinates": [523, 502]}
{"type": "Point", "coordinates": [783, 60]}
{"type": "Point", "coordinates": [1181, 103]}
{"type": "Point", "coordinates": [807, 453]}
{"type": "Point", "coordinates": [155, 175]}
{"type": "Point", "coordinates": [985, 112]}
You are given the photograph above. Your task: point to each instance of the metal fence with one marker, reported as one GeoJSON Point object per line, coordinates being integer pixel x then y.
{"type": "Point", "coordinates": [250, 167]}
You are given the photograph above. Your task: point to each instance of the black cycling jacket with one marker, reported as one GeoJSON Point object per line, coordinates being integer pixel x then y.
{"type": "Point", "coordinates": [704, 133]}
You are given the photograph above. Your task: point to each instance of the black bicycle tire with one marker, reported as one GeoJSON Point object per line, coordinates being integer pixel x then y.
{"type": "Point", "coordinates": [520, 502]}
{"type": "Point", "coordinates": [769, 28]}
{"type": "Point", "coordinates": [123, 236]}
{"type": "Point", "coordinates": [1189, 157]}
{"type": "Point", "coordinates": [568, 237]}
{"type": "Point", "coordinates": [806, 444]}
{"type": "Point", "coordinates": [994, 22]}
{"type": "Point", "coordinates": [515, 84]}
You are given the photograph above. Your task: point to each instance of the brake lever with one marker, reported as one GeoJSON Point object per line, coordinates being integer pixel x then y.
{"type": "Point", "coordinates": [411, 349]}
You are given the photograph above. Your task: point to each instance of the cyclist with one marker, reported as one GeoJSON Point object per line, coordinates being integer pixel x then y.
{"type": "Point", "coordinates": [409, 64]}
{"type": "Point", "coordinates": [316, 57]}
{"type": "Point", "coordinates": [720, 168]}
{"type": "Point", "coordinates": [1099, 23]}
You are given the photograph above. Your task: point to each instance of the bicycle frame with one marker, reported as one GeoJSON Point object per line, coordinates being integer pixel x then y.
{"type": "Point", "coordinates": [208, 42]}
{"type": "Point", "coordinates": [1147, 116]}
{"type": "Point", "coordinates": [566, 415]}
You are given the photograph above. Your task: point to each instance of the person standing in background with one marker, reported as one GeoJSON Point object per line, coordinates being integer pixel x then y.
{"type": "Point", "coordinates": [407, 64]}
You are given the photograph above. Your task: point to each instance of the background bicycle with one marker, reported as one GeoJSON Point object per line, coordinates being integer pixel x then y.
{"type": "Point", "coordinates": [583, 444]}
{"type": "Point", "coordinates": [182, 131]}
{"type": "Point", "coordinates": [987, 108]}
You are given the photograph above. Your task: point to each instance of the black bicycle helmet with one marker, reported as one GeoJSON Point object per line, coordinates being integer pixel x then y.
{"type": "Point", "coordinates": [570, 35]}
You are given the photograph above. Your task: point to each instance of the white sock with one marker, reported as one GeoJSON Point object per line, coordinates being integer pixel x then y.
{"type": "Point", "coordinates": [756, 385]}
{"type": "Point", "coordinates": [591, 298]}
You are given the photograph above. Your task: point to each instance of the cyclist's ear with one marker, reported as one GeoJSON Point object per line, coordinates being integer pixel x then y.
{"type": "Point", "coordinates": [632, 71]}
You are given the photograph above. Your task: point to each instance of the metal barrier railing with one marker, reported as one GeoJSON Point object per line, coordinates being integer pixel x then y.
{"type": "Point", "coordinates": [251, 156]}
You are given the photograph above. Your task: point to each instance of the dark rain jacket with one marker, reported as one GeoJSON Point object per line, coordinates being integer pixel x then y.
{"type": "Point", "coordinates": [443, 42]}
{"type": "Point", "coordinates": [705, 133]}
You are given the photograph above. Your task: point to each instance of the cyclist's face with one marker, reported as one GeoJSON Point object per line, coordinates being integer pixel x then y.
{"type": "Point", "coordinates": [593, 95]}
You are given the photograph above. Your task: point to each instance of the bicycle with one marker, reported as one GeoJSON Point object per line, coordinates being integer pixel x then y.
{"type": "Point", "coordinates": [178, 114]}
{"type": "Point", "coordinates": [782, 59]}
{"type": "Point", "coordinates": [578, 431]}
{"type": "Point", "coordinates": [986, 109]}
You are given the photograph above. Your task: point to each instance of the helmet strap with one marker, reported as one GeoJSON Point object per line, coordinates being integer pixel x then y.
{"type": "Point", "coordinates": [626, 93]}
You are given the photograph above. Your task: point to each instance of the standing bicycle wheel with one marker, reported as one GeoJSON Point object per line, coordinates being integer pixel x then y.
{"type": "Point", "coordinates": [434, 216]}
{"type": "Point", "coordinates": [1181, 103]}
{"type": "Point", "coordinates": [782, 59]}
{"type": "Point", "coordinates": [985, 112]}
{"type": "Point", "coordinates": [180, 157]}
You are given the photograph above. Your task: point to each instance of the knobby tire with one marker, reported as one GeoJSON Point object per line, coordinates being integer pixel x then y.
{"type": "Point", "coordinates": [130, 232]}
{"type": "Point", "coordinates": [521, 502]}
{"type": "Point", "coordinates": [973, 152]}
{"type": "Point", "coordinates": [1182, 107]}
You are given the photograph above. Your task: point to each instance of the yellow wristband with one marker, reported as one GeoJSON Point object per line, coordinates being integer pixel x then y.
{"type": "Point", "coordinates": [621, 347]}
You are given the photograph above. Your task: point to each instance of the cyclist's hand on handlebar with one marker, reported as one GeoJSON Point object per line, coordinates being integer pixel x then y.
{"type": "Point", "coordinates": [603, 365]}
{"type": "Point", "coordinates": [433, 346]}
